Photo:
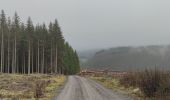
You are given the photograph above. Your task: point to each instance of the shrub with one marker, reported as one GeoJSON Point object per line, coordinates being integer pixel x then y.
{"type": "Point", "coordinates": [39, 89]}
{"type": "Point", "coordinates": [129, 80]}
{"type": "Point", "coordinates": [151, 82]}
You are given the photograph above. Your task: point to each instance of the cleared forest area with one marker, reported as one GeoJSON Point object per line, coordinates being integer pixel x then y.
{"type": "Point", "coordinates": [29, 87]}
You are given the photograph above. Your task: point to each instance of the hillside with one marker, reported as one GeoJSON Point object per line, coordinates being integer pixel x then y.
{"type": "Point", "coordinates": [84, 56]}
{"type": "Point", "coordinates": [123, 58]}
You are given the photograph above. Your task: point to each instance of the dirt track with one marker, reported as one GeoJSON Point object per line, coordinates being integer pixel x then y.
{"type": "Point", "coordinates": [80, 88]}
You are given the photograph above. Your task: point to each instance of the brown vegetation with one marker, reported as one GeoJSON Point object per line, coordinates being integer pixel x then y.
{"type": "Point", "coordinates": [153, 83]}
{"type": "Point", "coordinates": [148, 84]}
{"type": "Point", "coordinates": [28, 87]}
{"type": "Point", "coordinates": [100, 72]}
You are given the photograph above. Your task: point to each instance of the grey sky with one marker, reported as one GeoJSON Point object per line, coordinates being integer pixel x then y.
{"type": "Point", "coordinates": [90, 24]}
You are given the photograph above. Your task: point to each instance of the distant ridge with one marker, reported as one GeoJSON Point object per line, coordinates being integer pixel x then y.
{"type": "Point", "coordinates": [125, 58]}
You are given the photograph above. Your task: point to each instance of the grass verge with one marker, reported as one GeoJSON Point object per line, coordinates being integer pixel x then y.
{"type": "Point", "coordinates": [150, 84]}
{"type": "Point", "coordinates": [114, 84]}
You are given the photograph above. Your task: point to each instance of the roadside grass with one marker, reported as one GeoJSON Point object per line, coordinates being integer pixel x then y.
{"type": "Point", "coordinates": [29, 87]}
{"type": "Point", "coordinates": [153, 83]}
{"type": "Point", "coordinates": [114, 84]}
{"type": "Point", "coordinates": [57, 82]}
{"type": "Point", "coordinates": [149, 84]}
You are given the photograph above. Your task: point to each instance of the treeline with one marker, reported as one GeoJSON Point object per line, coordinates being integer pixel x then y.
{"type": "Point", "coordinates": [25, 48]}
{"type": "Point", "coordinates": [125, 58]}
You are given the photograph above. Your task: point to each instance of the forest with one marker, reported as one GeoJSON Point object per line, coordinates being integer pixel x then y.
{"type": "Point", "coordinates": [26, 48]}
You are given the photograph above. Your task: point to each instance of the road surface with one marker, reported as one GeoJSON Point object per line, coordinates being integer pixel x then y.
{"type": "Point", "coordinates": [80, 88]}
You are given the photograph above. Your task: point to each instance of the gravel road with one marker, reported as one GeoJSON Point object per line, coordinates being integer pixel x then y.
{"type": "Point", "coordinates": [80, 88]}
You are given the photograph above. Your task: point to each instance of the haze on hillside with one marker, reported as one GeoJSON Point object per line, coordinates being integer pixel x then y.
{"type": "Point", "coordinates": [125, 58]}
{"type": "Point", "coordinates": [92, 24]}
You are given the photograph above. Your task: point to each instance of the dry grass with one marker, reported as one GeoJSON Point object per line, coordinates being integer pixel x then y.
{"type": "Point", "coordinates": [150, 84]}
{"type": "Point", "coordinates": [153, 83]}
{"type": "Point", "coordinates": [28, 87]}
{"type": "Point", "coordinates": [107, 81]}
{"type": "Point", "coordinates": [114, 84]}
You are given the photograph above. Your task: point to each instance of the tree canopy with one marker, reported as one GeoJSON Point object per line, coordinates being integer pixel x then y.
{"type": "Point", "coordinates": [28, 48]}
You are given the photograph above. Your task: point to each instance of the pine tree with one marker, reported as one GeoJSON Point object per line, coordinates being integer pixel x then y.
{"type": "Point", "coordinates": [29, 29]}
{"type": "Point", "coordinates": [16, 29]}
{"type": "Point", "coordinates": [27, 49]}
{"type": "Point", "coordinates": [3, 26]}
{"type": "Point", "coordinates": [8, 43]}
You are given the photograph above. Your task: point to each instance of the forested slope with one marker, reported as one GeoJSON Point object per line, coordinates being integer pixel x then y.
{"type": "Point", "coordinates": [123, 58]}
{"type": "Point", "coordinates": [29, 48]}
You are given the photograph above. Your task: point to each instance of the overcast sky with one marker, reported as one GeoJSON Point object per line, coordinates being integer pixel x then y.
{"type": "Point", "coordinates": [90, 24]}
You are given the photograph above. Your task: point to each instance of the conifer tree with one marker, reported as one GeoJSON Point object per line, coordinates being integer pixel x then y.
{"type": "Point", "coordinates": [27, 49]}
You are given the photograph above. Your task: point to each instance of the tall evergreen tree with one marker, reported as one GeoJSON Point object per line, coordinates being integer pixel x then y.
{"type": "Point", "coordinates": [3, 30]}
{"type": "Point", "coordinates": [29, 30]}
{"type": "Point", "coordinates": [27, 49]}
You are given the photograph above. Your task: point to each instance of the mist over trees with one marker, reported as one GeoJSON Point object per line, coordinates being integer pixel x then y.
{"type": "Point", "coordinates": [25, 48]}
{"type": "Point", "coordinates": [126, 58]}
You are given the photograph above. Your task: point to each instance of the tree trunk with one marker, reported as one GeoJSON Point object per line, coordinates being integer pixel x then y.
{"type": "Point", "coordinates": [15, 59]}
{"type": "Point", "coordinates": [42, 69]}
{"type": "Point", "coordinates": [8, 54]}
{"type": "Point", "coordinates": [32, 62]}
{"type": "Point", "coordinates": [29, 58]}
{"type": "Point", "coordinates": [56, 61]}
{"type": "Point", "coordinates": [51, 58]}
{"type": "Point", "coordinates": [13, 51]}
{"type": "Point", "coordinates": [2, 51]}
{"type": "Point", "coordinates": [24, 63]}
{"type": "Point", "coordinates": [38, 59]}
